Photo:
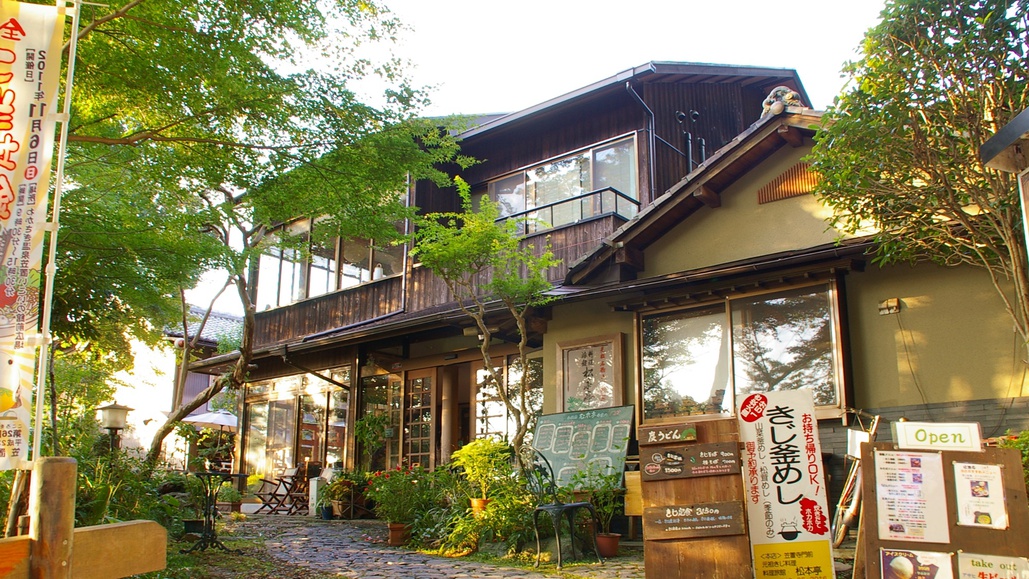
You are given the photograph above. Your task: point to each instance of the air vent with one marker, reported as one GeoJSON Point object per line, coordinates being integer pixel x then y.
{"type": "Point", "coordinates": [796, 181]}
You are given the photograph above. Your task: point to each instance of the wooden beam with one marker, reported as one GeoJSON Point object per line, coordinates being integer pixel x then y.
{"type": "Point", "coordinates": [52, 508]}
{"type": "Point", "coordinates": [708, 196]}
{"type": "Point", "coordinates": [119, 550]}
{"type": "Point", "coordinates": [14, 557]}
{"type": "Point", "coordinates": [790, 135]}
{"type": "Point", "coordinates": [629, 256]}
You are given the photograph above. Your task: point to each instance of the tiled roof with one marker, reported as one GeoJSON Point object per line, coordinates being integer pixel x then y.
{"type": "Point", "coordinates": [218, 325]}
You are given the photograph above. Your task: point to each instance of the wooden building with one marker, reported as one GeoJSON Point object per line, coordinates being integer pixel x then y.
{"type": "Point", "coordinates": [693, 257]}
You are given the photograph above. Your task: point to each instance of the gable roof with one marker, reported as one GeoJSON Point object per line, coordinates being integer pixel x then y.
{"type": "Point", "coordinates": [702, 187]}
{"type": "Point", "coordinates": [763, 79]}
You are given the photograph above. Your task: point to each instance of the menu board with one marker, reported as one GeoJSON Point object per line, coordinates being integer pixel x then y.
{"type": "Point", "coordinates": [573, 440]}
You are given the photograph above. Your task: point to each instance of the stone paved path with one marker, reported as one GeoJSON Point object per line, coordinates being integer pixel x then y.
{"type": "Point", "coordinates": [358, 549]}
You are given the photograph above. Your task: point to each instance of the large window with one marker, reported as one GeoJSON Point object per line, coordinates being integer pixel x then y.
{"type": "Point", "coordinates": [491, 414]}
{"type": "Point", "coordinates": [698, 361]}
{"type": "Point", "coordinates": [592, 182]}
{"type": "Point", "coordinates": [294, 267]}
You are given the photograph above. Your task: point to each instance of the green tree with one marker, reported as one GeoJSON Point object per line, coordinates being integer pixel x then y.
{"type": "Point", "coordinates": [488, 269]}
{"type": "Point", "coordinates": [199, 127]}
{"type": "Point", "coordinates": [899, 154]}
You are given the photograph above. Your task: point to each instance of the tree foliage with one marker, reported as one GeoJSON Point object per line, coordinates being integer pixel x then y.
{"type": "Point", "coordinates": [199, 127]}
{"type": "Point", "coordinates": [899, 156]}
{"type": "Point", "coordinates": [483, 262]}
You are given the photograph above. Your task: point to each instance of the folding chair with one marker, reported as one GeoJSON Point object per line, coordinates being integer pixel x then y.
{"type": "Point", "coordinates": [539, 477]}
{"type": "Point", "coordinates": [275, 494]}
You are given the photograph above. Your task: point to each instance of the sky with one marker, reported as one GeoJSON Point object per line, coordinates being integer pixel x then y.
{"type": "Point", "coordinates": [487, 56]}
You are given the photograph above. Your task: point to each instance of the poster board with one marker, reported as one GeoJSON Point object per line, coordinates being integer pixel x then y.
{"type": "Point", "coordinates": [572, 440]}
{"type": "Point", "coordinates": [1002, 466]}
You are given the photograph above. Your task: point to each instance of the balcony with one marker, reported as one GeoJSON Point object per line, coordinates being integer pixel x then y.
{"type": "Point", "coordinates": [582, 223]}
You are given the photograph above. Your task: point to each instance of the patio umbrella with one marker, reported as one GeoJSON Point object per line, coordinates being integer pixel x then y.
{"type": "Point", "coordinates": [217, 419]}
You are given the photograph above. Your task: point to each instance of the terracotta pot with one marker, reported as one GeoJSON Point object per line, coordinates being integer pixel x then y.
{"type": "Point", "coordinates": [607, 544]}
{"type": "Point", "coordinates": [399, 534]}
{"type": "Point", "coordinates": [479, 505]}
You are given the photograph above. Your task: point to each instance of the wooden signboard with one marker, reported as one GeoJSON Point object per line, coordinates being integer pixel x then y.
{"type": "Point", "coordinates": [688, 521]}
{"type": "Point", "coordinates": [660, 463]}
{"type": "Point", "coordinates": [573, 440]}
{"type": "Point", "coordinates": [890, 529]}
{"type": "Point", "coordinates": [681, 554]}
{"type": "Point", "coordinates": [667, 434]}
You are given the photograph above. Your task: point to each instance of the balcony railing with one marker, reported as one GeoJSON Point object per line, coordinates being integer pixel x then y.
{"type": "Point", "coordinates": [606, 201]}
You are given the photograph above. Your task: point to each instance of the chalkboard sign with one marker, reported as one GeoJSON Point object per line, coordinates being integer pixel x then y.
{"type": "Point", "coordinates": [662, 463]}
{"type": "Point", "coordinates": [573, 440]}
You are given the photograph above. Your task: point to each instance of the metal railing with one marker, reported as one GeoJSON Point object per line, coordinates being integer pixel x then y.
{"type": "Point", "coordinates": [606, 201]}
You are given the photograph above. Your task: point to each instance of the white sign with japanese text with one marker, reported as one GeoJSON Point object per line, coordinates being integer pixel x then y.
{"type": "Point", "coordinates": [785, 486]}
{"type": "Point", "coordinates": [980, 495]}
{"type": "Point", "coordinates": [30, 64]}
{"type": "Point", "coordinates": [974, 566]}
{"type": "Point", "coordinates": [910, 497]}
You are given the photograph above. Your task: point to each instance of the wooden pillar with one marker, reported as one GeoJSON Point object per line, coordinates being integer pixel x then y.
{"type": "Point", "coordinates": [448, 414]}
{"type": "Point", "coordinates": [52, 508]}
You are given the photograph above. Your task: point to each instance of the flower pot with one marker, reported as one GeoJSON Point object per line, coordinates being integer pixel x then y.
{"type": "Point", "coordinates": [479, 505]}
{"type": "Point", "coordinates": [399, 534]}
{"type": "Point", "coordinates": [326, 512]}
{"type": "Point", "coordinates": [607, 544]}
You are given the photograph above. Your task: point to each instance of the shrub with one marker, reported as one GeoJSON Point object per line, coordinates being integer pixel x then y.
{"type": "Point", "coordinates": [1021, 443]}
{"type": "Point", "coordinates": [399, 493]}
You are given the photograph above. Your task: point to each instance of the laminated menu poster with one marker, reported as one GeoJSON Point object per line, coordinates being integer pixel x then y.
{"type": "Point", "coordinates": [980, 494]}
{"type": "Point", "coordinates": [906, 564]}
{"type": "Point", "coordinates": [910, 496]}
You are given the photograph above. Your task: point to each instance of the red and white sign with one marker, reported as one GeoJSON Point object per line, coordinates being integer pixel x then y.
{"type": "Point", "coordinates": [31, 37]}
{"type": "Point", "coordinates": [787, 510]}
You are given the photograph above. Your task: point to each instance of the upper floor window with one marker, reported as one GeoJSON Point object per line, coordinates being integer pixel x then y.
{"type": "Point", "coordinates": [596, 181]}
{"type": "Point", "coordinates": [297, 266]}
{"type": "Point", "coordinates": [701, 360]}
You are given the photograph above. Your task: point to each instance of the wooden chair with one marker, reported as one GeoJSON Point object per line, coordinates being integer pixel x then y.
{"type": "Point", "coordinates": [539, 477]}
{"type": "Point", "coordinates": [275, 494]}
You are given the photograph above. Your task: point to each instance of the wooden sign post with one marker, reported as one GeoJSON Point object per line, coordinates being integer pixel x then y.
{"type": "Point", "coordinates": [55, 550]}
{"type": "Point", "coordinates": [693, 516]}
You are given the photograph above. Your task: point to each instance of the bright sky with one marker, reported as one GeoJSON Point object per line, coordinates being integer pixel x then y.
{"type": "Point", "coordinates": [486, 56]}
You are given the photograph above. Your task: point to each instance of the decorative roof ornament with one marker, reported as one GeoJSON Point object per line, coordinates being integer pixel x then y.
{"type": "Point", "coordinates": [780, 98]}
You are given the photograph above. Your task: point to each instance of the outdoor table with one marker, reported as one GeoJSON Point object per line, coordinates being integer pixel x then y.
{"type": "Point", "coordinates": [211, 482]}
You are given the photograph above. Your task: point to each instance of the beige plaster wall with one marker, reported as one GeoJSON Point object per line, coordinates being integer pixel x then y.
{"type": "Point", "coordinates": [582, 320]}
{"type": "Point", "coordinates": [952, 339]}
{"type": "Point", "coordinates": [741, 228]}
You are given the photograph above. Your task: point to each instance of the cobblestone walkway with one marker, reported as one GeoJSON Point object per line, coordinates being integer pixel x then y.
{"type": "Point", "coordinates": [358, 549]}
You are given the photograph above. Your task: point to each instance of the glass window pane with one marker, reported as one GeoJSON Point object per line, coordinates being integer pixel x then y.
{"type": "Point", "coordinates": [685, 370]}
{"type": "Point", "coordinates": [389, 260]}
{"type": "Point", "coordinates": [339, 407]}
{"type": "Point", "coordinates": [509, 194]}
{"type": "Point", "coordinates": [785, 343]}
{"type": "Point", "coordinates": [614, 166]}
{"type": "Point", "coordinates": [322, 277]}
{"type": "Point", "coordinates": [560, 181]}
{"type": "Point", "coordinates": [356, 262]}
{"type": "Point", "coordinates": [312, 433]}
{"type": "Point", "coordinates": [281, 425]}
{"type": "Point", "coordinates": [257, 438]}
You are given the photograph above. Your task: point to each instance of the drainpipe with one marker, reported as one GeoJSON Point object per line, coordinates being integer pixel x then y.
{"type": "Point", "coordinates": [650, 137]}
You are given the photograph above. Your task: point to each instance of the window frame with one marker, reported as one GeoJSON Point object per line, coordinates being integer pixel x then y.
{"type": "Point", "coordinates": [725, 299]}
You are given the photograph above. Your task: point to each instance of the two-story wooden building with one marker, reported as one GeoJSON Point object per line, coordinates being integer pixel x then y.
{"type": "Point", "coordinates": [696, 266]}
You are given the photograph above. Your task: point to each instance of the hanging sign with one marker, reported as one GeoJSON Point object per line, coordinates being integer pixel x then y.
{"type": "Point", "coordinates": [30, 64]}
{"type": "Point", "coordinates": [964, 436]}
{"type": "Point", "coordinates": [784, 486]}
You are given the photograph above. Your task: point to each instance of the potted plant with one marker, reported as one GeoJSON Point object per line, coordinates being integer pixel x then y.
{"type": "Point", "coordinates": [370, 433]}
{"type": "Point", "coordinates": [345, 493]}
{"type": "Point", "coordinates": [606, 493]}
{"type": "Point", "coordinates": [229, 495]}
{"type": "Point", "coordinates": [484, 461]}
{"type": "Point", "coordinates": [399, 495]}
{"type": "Point", "coordinates": [323, 502]}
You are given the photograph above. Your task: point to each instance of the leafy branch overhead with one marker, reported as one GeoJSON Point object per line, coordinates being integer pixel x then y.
{"type": "Point", "coordinates": [199, 128]}
{"type": "Point", "coordinates": [899, 157]}
{"type": "Point", "coordinates": [484, 261]}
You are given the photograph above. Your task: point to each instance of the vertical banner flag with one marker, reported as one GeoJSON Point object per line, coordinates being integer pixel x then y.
{"type": "Point", "coordinates": [31, 36]}
{"type": "Point", "coordinates": [784, 484]}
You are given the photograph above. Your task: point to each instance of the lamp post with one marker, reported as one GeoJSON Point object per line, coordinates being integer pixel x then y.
{"type": "Point", "coordinates": [112, 417]}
